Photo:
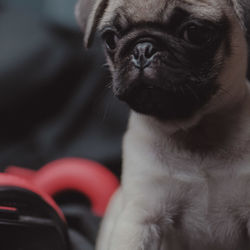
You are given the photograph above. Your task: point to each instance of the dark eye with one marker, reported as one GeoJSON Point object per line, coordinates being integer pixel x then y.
{"type": "Point", "coordinates": [197, 34]}
{"type": "Point", "coordinates": [110, 38]}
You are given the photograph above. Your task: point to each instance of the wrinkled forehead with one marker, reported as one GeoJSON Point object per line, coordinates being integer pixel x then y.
{"type": "Point", "coordinates": [160, 10]}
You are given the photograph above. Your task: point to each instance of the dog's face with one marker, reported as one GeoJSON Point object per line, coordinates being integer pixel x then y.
{"type": "Point", "coordinates": [170, 59]}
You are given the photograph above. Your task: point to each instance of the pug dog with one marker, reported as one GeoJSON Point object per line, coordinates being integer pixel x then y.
{"type": "Point", "coordinates": [181, 66]}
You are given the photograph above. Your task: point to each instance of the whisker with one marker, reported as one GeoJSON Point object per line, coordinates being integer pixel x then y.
{"type": "Point", "coordinates": [105, 65]}
{"type": "Point", "coordinates": [109, 85]}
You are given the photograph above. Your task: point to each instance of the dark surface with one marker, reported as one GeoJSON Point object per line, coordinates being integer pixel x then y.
{"type": "Point", "coordinates": [34, 224]}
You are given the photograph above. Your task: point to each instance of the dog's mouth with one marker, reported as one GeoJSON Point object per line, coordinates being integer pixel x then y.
{"type": "Point", "coordinates": [165, 103]}
{"type": "Point", "coordinates": [160, 103]}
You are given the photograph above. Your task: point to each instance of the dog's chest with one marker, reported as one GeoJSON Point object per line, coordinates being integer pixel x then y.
{"type": "Point", "coordinates": [212, 215]}
{"type": "Point", "coordinates": [207, 199]}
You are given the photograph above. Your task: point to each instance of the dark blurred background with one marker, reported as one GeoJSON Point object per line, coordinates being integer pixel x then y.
{"type": "Point", "coordinates": [54, 99]}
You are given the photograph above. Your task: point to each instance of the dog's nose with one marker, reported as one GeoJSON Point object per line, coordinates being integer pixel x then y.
{"type": "Point", "coordinates": [143, 54]}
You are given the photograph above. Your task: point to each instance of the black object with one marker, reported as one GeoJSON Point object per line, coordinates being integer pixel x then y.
{"type": "Point", "coordinates": [27, 222]}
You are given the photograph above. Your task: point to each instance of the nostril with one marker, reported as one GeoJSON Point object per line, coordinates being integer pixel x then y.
{"type": "Point", "coordinates": [149, 51]}
{"type": "Point", "coordinates": [136, 53]}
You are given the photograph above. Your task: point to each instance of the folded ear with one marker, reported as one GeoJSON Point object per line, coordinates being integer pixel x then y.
{"type": "Point", "coordinates": [246, 15]}
{"type": "Point", "coordinates": [82, 12]}
{"type": "Point", "coordinates": [242, 10]}
{"type": "Point", "coordinates": [88, 14]}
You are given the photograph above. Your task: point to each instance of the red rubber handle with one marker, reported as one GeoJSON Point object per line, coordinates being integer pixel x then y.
{"type": "Point", "coordinates": [7, 180]}
{"type": "Point", "coordinates": [85, 176]}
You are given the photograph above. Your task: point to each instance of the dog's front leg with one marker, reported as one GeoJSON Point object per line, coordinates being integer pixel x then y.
{"type": "Point", "coordinates": [137, 229]}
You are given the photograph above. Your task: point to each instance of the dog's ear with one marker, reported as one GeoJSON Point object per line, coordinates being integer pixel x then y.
{"type": "Point", "coordinates": [246, 16]}
{"type": "Point", "coordinates": [246, 19]}
{"type": "Point", "coordinates": [82, 12]}
{"type": "Point", "coordinates": [242, 10]}
{"type": "Point", "coordinates": [88, 14]}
